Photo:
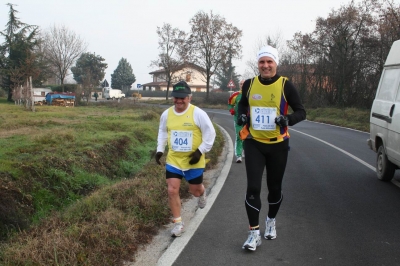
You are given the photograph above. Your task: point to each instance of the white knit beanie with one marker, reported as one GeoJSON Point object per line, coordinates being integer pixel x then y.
{"type": "Point", "coordinates": [270, 52]}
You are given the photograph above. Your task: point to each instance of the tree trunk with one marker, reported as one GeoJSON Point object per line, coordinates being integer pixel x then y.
{"type": "Point", "coordinates": [9, 97]}
{"type": "Point", "coordinates": [168, 84]}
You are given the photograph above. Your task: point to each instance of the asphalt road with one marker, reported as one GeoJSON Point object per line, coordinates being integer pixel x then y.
{"type": "Point", "coordinates": [334, 212]}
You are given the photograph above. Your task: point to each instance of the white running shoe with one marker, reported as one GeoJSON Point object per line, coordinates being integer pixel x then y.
{"type": "Point", "coordinates": [253, 241]}
{"type": "Point", "coordinates": [238, 159]}
{"type": "Point", "coordinates": [270, 230]}
{"type": "Point", "coordinates": [178, 229]}
{"type": "Point", "coordinates": [202, 200]}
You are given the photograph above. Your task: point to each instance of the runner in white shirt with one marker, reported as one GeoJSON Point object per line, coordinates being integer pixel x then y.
{"type": "Point", "coordinates": [190, 134]}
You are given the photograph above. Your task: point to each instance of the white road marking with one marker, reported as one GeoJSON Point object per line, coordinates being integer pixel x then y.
{"type": "Point", "coordinates": [339, 149]}
{"type": "Point", "coordinates": [395, 182]}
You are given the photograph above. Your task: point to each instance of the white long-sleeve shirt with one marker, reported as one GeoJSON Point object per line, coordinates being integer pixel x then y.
{"type": "Point", "coordinates": [201, 120]}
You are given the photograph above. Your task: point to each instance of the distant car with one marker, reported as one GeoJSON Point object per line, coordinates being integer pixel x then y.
{"type": "Point", "coordinates": [113, 94]}
{"type": "Point", "coordinates": [385, 117]}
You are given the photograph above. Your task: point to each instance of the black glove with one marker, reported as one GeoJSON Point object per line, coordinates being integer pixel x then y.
{"type": "Point", "coordinates": [282, 121]}
{"type": "Point", "coordinates": [158, 157]}
{"type": "Point", "coordinates": [241, 120]}
{"type": "Point", "coordinates": [195, 157]}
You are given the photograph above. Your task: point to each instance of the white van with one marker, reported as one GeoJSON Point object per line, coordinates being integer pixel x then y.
{"type": "Point", "coordinates": [113, 94]}
{"type": "Point", "coordinates": [385, 117]}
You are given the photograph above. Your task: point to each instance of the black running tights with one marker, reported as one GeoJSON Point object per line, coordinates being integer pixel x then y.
{"type": "Point", "coordinates": [273, 158]}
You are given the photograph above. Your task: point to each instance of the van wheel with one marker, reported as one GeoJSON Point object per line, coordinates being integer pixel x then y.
{"type": "Point", "coordinates": [384, 168]}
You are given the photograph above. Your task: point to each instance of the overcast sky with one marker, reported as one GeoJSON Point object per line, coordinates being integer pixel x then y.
{"type": "Point", "coordinates": [127, 28]}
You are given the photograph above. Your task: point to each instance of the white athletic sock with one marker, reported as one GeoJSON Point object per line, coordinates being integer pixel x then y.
{"type": "Point", "coordinates": [177, 220]}
{"type": "Point", "coordinates": [256, 230]}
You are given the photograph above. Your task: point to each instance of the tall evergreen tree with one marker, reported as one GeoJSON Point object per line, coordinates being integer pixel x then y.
{"type": "Point", "coordinates": [123, 76]}
{"type": "Point", "coordinates": [19, 52]}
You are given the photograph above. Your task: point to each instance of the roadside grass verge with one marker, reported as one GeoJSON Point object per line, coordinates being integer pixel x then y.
{"type": "Point", "coordinates": [347, 117]}
{"type": "Point", "coordinates": [79, 186]}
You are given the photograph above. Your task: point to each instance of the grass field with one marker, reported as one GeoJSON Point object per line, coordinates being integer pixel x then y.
{"type": "Point", "coordinates": [347, 117]}
{"type": "Point", "coordinates": [79, 186]}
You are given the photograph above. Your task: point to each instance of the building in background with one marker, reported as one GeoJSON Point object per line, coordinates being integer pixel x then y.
{"type": "Point", "coordinates": [193, 75]}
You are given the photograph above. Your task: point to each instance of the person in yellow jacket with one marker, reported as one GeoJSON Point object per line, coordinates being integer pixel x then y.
{"type": "Point", "coordinates": [263, 110]}
{"type": "Point", "coordinates": [232, 106]}
{"type": "Point", "coordinates": [190, 134]}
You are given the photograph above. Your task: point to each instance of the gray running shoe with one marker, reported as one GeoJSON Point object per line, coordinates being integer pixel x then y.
{"type": "Point", "coordinates": [202, 200]}
{"type": "Point", "coordinates": [239, 159]}
{"type": "Point", "coordinates": [178, 229]}
{"type": "Point", "coordinates": [253, 241]}
{"type": "Point", "coordinates": [270, 230]}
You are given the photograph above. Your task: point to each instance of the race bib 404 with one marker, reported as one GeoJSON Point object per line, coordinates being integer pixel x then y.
{"type": "Point", "coordinates": [181, 141]}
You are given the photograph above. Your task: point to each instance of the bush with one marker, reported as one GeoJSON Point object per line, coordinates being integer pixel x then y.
{"type": "Point", "coordinates": [3, 92]}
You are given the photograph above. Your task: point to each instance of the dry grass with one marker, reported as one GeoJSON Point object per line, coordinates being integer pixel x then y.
{"type": "Point", "coordinates": [105, 228]}
{"type": "Point", "coordinates": [346, 117]}
{"type": "Point", "coordinates": [91, 200]}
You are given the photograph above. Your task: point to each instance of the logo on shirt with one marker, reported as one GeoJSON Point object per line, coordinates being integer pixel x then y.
{"type": "Point", "coordinates": [256, 97]}
{"type": "Point", "coordinates": [272, 97]}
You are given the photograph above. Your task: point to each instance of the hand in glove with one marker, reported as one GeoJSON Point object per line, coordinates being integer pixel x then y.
{"type": "Point", "coordinates": [158, 157]}
{"type": "Point", "coordinates": [241, 120]}
{"type": "Point", "coordinates": [282, 121]}
{"type": "Point", "coordinates": [232, 110]}
{"type": "Point", "coordinates": [195, 157]}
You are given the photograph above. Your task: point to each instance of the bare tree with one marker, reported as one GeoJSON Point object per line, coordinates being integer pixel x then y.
{"type": "Point", "coordinates": [340, 62]}
{"type": "Point", "coordinates": [389, 25]}
{"type": "Point", "coordinates": [62, 48]}
{"type": "Point", "coordinates": [298, 64]}
{"type": "Point", "coordinates": [170, 42]}
{"type": "Point", "coordinates": [211, 40]}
